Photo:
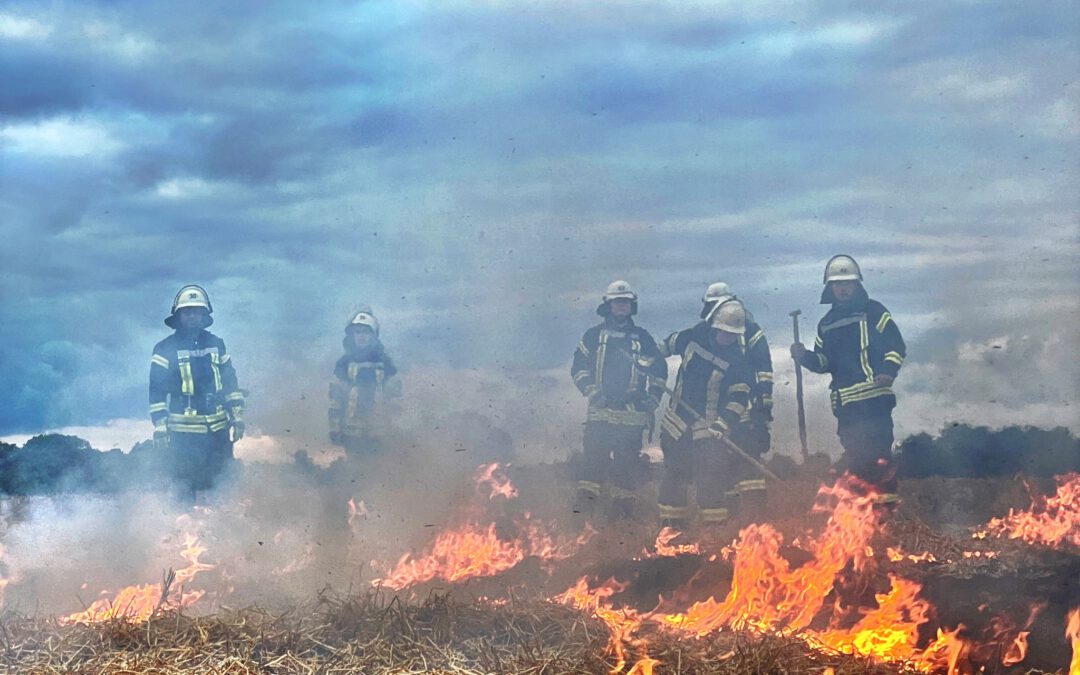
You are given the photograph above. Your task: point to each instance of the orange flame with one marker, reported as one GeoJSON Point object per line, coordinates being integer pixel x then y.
{"type": "Point", "coordinates": [766, 594]}
{"type": "Point", "coordinates": [1052, 521]}
{"type": "Point", "coordinates": [139, 603]}
{"type": "Point", "coordinates": [475, 551]}
{"type": "Point", "coordinates": [494, 477]}
{"type": "Point", "coordinates": [621, 623]}
{"type": "Point", "coordinates": [665, 549]}
{"type": "Point", "coordinates": [1072, 634]}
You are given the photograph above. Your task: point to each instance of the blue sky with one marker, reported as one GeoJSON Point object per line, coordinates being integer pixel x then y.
{"type": "Point", "coordinates": [478, 171]}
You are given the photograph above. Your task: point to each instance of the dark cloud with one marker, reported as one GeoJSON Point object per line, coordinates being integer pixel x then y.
{"type": "Point", "coordinates": [479, 172]}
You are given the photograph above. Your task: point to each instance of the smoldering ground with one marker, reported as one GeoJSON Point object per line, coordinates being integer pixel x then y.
{"type": "Point", "coordinates": [275, 531]}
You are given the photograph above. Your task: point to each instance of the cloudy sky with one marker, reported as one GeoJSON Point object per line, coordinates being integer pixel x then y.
{"type": "Point", "coordinates": [478, 171]}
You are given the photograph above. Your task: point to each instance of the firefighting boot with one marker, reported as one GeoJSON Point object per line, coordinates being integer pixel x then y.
{"type": "Point", "coordinates": [675, 517]}
{"type": "Point", "coordinates": [752, 506]}
{"type": "Point", "coordinates": [588, 494]}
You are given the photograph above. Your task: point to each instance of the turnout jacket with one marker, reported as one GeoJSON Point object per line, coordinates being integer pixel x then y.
{"type": "Point", "coordinates": [193, 385]}
{"type": "Point", "coordinates": [625, 365]}
{"type": "Point", "coordinates": [360, 377]}
{"type": "Point", "coordinates": [857, 340]}
{"type": "Point", "coordinates": [756, 349]}
{"type": "Point", "coordinates": [713, 385]}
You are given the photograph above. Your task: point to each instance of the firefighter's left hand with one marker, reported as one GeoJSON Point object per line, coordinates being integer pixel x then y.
{"type": "Point", "coordinates": [884, 380]}
{"type": "Point", "coordinates": [237, 431]}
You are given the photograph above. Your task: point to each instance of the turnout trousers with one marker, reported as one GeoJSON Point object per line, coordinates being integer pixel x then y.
{"type": "Point", "coordinates": [197, 461]}
{"type": "Point", "coordinates": [611, 458]}
{"type": "Point", "coordinates": [867, 440]}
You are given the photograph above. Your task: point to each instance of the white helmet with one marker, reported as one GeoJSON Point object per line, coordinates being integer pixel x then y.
{"type": "Point", "coordinates": [364, 318]}
{"type": "Point", "coordinates": [729, 316]}
{"type": "Point", "coordinates": [190, 296]}
{"type": "Point", "coordinates": [842, 268]}
{"type": "Point", "coordinates": [716, 292]}
{"type": "Point", "coordinates": [619, 289]}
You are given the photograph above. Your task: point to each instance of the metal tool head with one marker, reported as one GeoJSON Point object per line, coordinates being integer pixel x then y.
{"type": "Point", "coordinates": [795, 312]}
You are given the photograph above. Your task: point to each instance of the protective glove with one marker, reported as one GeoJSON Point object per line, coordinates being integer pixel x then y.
{"type": "Point", "coordinates": [798, 351]}
{"type": "Point", "coordinates": [718, 429]}
{"type": "Point", "coordinates": [598, 400]}
{"type": "Point", "coordinates": [236, 431]}
{"type": "Point", "coordinates": [161, 441]}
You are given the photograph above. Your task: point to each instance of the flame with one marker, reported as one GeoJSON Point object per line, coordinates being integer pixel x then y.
{"type": "Point", "coordinates": [1017, 651]}
{"type": "Point", "coordinates": [473, 550]}
{"type": "Point", "coordinates": [356, 510]}
{"type": "Point", "coordinates": [1072, 634]}
{"type": "Point", "coordinates": [1051, 521]}
{"type": "Point", "coordinates": [622, 624]}
{"type": "Point", "coordinates": [139, 603]}
{"type": "Point", "coordinates": [494, 477]}
{"type": "Point", "coordinates": [897, 555]}
{"type": "Point", "coordinates": [664, 548]}
{"type": "Point", "coordinates": [766, 594]}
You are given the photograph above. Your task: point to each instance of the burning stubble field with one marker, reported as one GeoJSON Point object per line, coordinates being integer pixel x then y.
{"type": "Point", "coordinates": [330, 572]}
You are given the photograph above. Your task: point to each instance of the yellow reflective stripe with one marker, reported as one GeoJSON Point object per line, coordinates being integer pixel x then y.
{"type": "Point", "coordinates": [583, 349]}
{"type": "Point", "coordinates": [217, 371]}
{"type": "Point", "coordinates": [872, 393]}
{"type": "Point", "coordinates": [823, 361]}
{"type": "Point", "coordinates": [895, 358]}
{"type": "Point", "coordinates": [234, 396]}
{"type": "Point", "coordinates": [736, 408]}
{"type": "Point", "coordinates": [750, 485]}
{"type": "Point", "coordinates": [158, 407]}
{"type": "Point", "coordinates": [625, 417]}
{"type": "Point", "coordinates": [757, 338]}
{"type": "Point", "coordinates": [766, 401]}
{"type": "Point", "coordinates": [225, 359]}
{"type": "Point", "coordinates": [158, 360]}
{"type": "Point", "coordinates": [739, 387]}
{"type": "Point", "coordinates": [818, 343]}
{"type": "Point", "coordinates": [198, 419]}
{"type": "Point", "coordinates": [579, 375]}
{"type": "Point", "coordinates": [159, 428]}
{"type": "Point", "coordinates": [591, 389]}
{"type": "Point", "coordinates": [601, 354]}
{"type": "Point", "coordinates": [589, 486]}
{"type": "Point", "coordinates": [354, 369]}
{"type": "Point", "coordinates": [189, 428]}
{"type": "Point", "coordinates": [864, 348]}
{"type": "Point", "coordinates": [714, 515]}
{"type": "Point", "coordinates": [764, 376]}
{"type": "Point", "coordinates": [187, 383]}
{"type": "Point", "coordinates": [668, 511]}
{"type": "Point", "coordinates": [883, 321]}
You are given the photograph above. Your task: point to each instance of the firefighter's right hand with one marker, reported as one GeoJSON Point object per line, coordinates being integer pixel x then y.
{"type": "Point", "coordinates": [161, 440]}
{"type": "Point", "coordinates": [598, 400]}
{"type": "Point", "coordinates": [798, 350]}
{"type": "Point", "coordinates": [718, 429]}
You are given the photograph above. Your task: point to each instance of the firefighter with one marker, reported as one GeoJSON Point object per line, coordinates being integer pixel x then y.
{"type": "Point", "coordinates": [196, 404]}
{"type": "Point", "coordinates": [618, 368]}
{"type": "Point", "coordinates": [712, 393]}
{"type": "Point", "coordinates": [752, 433]}
{"type": "Point", "coordinates": [860, 345]}
{"type": "Point", "coordinates": [363, 381]}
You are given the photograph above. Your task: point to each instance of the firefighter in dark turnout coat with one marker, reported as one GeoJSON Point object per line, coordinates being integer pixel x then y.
{"type": "Point", "coordinates": [363, 379]}
{"type": "Point", "coordinates": [752, 433]}
{"type": "Point", "coordinates": [196, 404]}
{"type": "Point", "coordinates": [618, 367]}
{"type": "Point", "coordinates": [711, 395]}
{"type": "Point", "coordinates": [860, 345]}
